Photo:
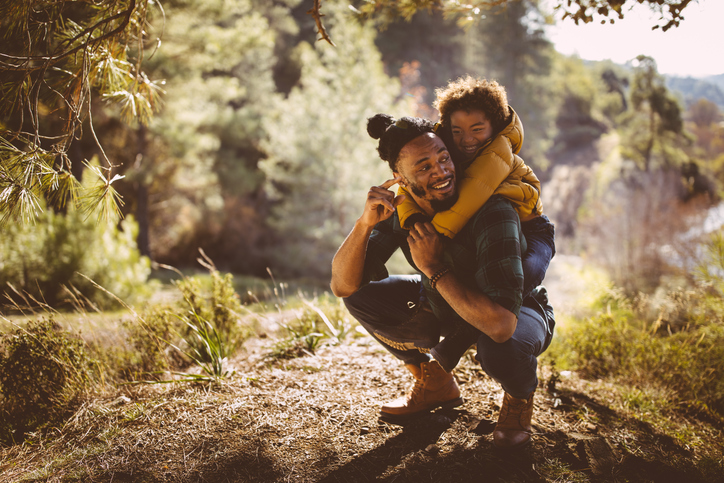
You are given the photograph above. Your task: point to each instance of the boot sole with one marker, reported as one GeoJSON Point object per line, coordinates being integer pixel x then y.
{"type": "Point", "coordinates": [394, 418]}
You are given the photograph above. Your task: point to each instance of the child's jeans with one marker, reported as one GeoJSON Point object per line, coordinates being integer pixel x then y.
{"type": "Point", "coordinates": [540, 237]}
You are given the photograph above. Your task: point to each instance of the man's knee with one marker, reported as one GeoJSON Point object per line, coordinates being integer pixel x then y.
{"type": "Point", "coordinates": [496, 357]}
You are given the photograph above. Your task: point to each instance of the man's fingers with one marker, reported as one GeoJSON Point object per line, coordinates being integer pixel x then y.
{"type": "Point", "coordinates": [384, 201]}
{"type": "Point", "coordinates": [427, 228]}
{"type": "Point", "coordinates": [423, 229]}
{"type": "Point", "coordinates": [390, 182]}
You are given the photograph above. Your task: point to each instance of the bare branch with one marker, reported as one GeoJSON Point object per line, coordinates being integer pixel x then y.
{"type": "Point", "coordinates": [317, 15]}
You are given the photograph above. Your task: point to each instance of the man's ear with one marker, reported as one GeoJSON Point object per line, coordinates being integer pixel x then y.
{"type": "Point", "coordinates": [395, 174]}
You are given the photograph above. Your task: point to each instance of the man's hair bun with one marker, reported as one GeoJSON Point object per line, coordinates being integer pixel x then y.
{"type": "Point", "coordinates": [395, 133]}
{"type": "Point", "coordinates": [378, 124]}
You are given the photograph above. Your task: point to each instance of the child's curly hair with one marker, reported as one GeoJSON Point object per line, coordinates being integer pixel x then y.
{"type": "Point", "coordinates": [469, 93]}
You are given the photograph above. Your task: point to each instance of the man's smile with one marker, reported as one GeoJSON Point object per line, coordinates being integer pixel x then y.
{"type": "Point", "coordinates": [444, 184]}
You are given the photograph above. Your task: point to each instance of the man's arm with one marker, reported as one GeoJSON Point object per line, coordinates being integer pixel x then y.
{"type": "Point", "coordinates": [475, 307]}
{"type": "Point", "coordinates": [349, 261]}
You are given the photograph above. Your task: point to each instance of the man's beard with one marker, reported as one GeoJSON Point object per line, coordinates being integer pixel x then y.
{"type": "Point", "coordinates": [446, 204]}
{"type": "Point", "coordinates": [437, 205]}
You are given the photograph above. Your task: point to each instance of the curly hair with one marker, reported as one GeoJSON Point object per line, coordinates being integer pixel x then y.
{"type": "Point", "coordinates": [469, 93]}
{"type": "Point", "coordinates": [394, 134]}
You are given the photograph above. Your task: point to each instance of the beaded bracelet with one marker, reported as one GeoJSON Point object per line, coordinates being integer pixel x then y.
{"type": "Point", "coordinates": [437, 276]}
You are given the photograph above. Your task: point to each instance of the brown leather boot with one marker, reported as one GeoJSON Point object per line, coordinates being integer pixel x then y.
{"type": "Point", "coordinates": [514, 422]}
{"type": "Point", "coordinates": [433, 388]}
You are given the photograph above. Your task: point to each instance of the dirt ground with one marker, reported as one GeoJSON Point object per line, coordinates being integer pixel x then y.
{"type": "Point", "coordinates": [315, 419]}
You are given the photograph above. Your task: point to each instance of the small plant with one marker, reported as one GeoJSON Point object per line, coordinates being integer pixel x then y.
{"type": "Point", "coordinates": [44, 371]}
{"type": "Point", "coordinates": [220, 309]}
{"type": "Point", "coordinates": [210, 358]}
{"type": "Point", "coordinates": [339, 324]}
{"type": "Point", "coordinates": [149, 335]}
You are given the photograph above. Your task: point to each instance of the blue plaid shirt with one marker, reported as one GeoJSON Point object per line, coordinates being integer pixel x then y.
{"type": "Point", "coordinates": [485, 254]}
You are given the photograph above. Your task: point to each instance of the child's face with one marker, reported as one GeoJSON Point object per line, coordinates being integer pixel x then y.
{"type": "Point", "coordinates": [470, 131]}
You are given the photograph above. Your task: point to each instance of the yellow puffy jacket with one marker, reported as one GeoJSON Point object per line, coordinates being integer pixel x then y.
{"type": "Point", "coordinates": [496, 169]}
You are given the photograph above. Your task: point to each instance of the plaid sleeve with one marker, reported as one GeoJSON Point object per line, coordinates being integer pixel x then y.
{"type": "Point", "coordinates": [499, 272]}
{"type": "Point", "coordinates": [382, 244]}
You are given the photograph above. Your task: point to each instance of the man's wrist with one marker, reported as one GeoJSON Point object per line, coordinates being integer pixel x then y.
{"type": "Point", "coordinates": [431, 270]}
{"type": "Point", "coordinates": [361, 224]}
{"type": "Point", "coordinates": [435, 277]}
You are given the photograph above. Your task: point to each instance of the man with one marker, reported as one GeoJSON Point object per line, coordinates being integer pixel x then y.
{"type": "Point", "coordinates": [476, 278]}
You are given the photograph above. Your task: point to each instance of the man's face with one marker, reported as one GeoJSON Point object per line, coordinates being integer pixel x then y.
{"type": "Point", "coordinates": [427, 170]}
{"type": "Point", "coordinates": [470, 131]}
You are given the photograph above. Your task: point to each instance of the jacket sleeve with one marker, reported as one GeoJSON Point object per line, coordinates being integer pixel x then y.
{"type": "Point", "coordinates": [407, 208]}
{"type": "Point", "coordinates": [481, 179]}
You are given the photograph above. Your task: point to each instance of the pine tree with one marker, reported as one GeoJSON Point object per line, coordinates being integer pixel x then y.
{"type": "Point", "coordinates": [57, 60]}
{"type": "Point", "coordinates": [653, 129]}
{"type": "Point", "coordinates": [321, 161]}
{"type": "Point", "coordinates": [509, 45]}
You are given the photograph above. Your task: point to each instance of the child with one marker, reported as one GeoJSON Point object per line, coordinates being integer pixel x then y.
{"type": "Point", "coordinates": [484, 135]}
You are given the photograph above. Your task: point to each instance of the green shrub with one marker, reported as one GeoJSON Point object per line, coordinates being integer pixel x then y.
{"type": "Point", "coordinates": [681, 350]}
{"type": "Point", "coordinates": [220, 307]}
{"type": "Point", "coordinates": [41, 259]}
{"type": "Point", "coordinates": [44, 371]}
{"type": "Point", "coordinates": [149, 336]}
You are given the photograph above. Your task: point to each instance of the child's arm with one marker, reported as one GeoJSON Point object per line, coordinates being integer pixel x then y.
{"type": "Point", "coordinates": [476, 186]}
{"type": "Point", "coordinates": [407, 210]}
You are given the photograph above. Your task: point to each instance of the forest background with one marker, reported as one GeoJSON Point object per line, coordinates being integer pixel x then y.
{"type": "Point", "coordinates": [243, 136]}
{"type": "Point", "coordinates": [258, 152]}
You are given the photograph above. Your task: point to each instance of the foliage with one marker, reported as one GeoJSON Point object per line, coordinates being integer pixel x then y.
{"type": "Point", "coordinates": [205, 327]}
{"type": "Point", "coordinates": [653, 128]}
{"type": "Point", "coordinates": [581, 117]}
{"type": "Point", "coordinates": [320, 162]}
{"type": "Point", "coordinates": [214, 315]}
{"type": "Point", "coordinates": [578, 10]}
{"type": "Point", "coordinates": [674, 342]}
{"type": "Point", "coordinates": [707, 151]}
{"type": "Point", "coordinates": [302, 339]}
{"type": "Point", "coordinates": [626, 218]}
{"type": "Point", "coordinates": [711, 270]}
{"type": "Point", "coordinates": [512, 48]}
{"type": "Point", "coordinates": [44, 261]}
{"type": "Point", "coordinates": [57, 58]}
{"type": "Point", "coordinates": [44, 371]}
{"type": "Point", "coordinates": [201, 152]}
{"type": "Point", "coordinates": [209, 348]}
{"type": "Point", "coordinates": [149, 336]}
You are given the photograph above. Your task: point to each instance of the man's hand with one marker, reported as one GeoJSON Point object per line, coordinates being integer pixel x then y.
{"type": "Point", "coordinates": [381, 203]}
{"type": "Point", "coordinates": [426, 248]}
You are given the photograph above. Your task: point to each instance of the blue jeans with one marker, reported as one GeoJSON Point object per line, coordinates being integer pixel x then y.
{"type": "Point", "coordinates": [540, 239]}
{"type": "Point", "coordinates": [395, 301]}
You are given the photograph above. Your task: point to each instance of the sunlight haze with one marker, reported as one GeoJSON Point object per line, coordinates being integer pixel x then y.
{"type": "Point", "coordinates": [692, 49]}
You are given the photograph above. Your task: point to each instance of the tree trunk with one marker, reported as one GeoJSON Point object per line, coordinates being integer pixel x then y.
{"type": "Point", "coordinates": [143, 241]}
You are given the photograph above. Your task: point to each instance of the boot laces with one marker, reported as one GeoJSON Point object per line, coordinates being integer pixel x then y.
{"type": "Point", "coordinates": [511, 405]}
{"type": "Point", "coordinates": [419, 386]}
